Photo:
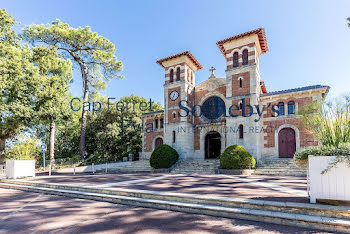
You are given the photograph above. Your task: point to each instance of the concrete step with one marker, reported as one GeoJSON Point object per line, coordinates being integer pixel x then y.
{"type": "Point", "coordinates": [321, 217]}
{"type": "Point", "coordinates": [196, 166]}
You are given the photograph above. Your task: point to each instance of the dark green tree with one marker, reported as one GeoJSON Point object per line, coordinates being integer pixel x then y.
{"type": "Point", "coordinates": [93, 54]}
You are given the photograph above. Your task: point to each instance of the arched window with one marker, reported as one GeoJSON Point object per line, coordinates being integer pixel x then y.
{"type": "Point", "coordinates": [161, 123]}
{"type": "Point", "coordinates": [291, 108]}
{"type": "Point", "coordinates": [174, 136]}
{"type": "Point", "coordinates": [174, 115]}
{"type": "Point", "coordinates": [240, 82]}
{"type": "Point", "coordinates": [156, 123]}
{"type": "Point", "coordinates": [240, 105]}
{"type": "Point", "coordinates": [245, 57]}
{"type": "Point", "coordinates": [235, 59]}
{"type": "Point", "coordinates": [178, 73]}
{"type": "Point", "coordinates": [171, 75]}
{"type": "Point", "coordinates": [240, 130]}
{"type": "Point", "coordinates": [280, 108]}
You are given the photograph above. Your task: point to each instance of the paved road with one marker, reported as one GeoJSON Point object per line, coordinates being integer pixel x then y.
{"type": "Point", "coordinates": [257, 187]}
{"type": "Point", "coordinates": [26, 212]}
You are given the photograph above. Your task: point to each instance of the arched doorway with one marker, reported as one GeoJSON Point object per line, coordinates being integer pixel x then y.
{"type": "Point", "coordinates": [286, 143]}
{"type": "Point", "coordinates": [158, 142]}
{"type": "Point", "coordinates": [212, 145]}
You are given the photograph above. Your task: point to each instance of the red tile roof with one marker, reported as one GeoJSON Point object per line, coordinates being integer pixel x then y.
{"type": "Point", "coordinates": [186, 53]}
{"type": "Point", "coordinates": [260, 32]}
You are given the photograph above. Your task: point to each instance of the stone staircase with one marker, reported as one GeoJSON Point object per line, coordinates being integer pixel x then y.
{"type": "Point", "coordinates": [279, 167]}
{"type": "Point", "coordinates": [133, 167]}
{"type": "Point", "coordinates": [196, 166]}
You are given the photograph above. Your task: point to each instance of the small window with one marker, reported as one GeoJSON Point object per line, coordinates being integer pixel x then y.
{"type": "Point", "coordinates": [161, 123]}
{"type": "Point", "coordinates": [174, 136]}
{"type": "Point", "coordinates": [240, 106]}
{"type": "Point", "coordinates": [171, 75]}
{"type": "Point", "coordinates": [245, 57]}
{"type": "Point", "coordinates": [240, 130]}
{"type": "Point", "coordinates": [156, 123]}
{"type": "Point", "coordinates": [280, 108]}
{"type": "Point", "coordinates": [240, 82]}
{"type": "Point", "coordinates": [178, 73]}
{"type": "Point", "coordinates": [174, 115]}
{"type": "Point", "coordinates": [291, 108]}
{"type": "Point", "coordinates": [235, 59]}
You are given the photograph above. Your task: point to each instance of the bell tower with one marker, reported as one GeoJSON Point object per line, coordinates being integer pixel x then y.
{"type": "Point", "coordinates": [243, 85]}
{"type": "Point", "coordinates": [179, 85]}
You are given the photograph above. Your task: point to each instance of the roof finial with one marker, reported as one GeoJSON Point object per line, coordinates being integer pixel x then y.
{"type": "Point", "coordinates": [212, 69]}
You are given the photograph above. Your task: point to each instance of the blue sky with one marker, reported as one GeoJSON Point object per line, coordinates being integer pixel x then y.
{"type": "Point", "coordinates": [309, 41]}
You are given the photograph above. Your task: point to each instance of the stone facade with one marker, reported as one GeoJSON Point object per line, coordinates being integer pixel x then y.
{"type": "Point", "coordinates": [194, 135]}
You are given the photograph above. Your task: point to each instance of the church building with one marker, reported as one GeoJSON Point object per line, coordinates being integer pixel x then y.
{"type": "Point", "coordinates": [201, 120]}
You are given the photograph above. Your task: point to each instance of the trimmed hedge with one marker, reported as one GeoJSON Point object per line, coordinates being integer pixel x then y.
{"type": "Point", "coordinates": [301, 157]}
{"type": "Point", "coordinates": [164, 156]}
{"type": "Point", "coordinates": [236, 157]}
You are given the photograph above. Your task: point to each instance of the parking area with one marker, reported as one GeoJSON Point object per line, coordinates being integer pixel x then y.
{"type": "Point", "coordinates": [26, 212]}
{"type": "Point", "coordinates": [272, 188]}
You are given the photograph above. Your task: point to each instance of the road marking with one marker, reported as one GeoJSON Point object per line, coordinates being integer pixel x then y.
{"type": "Point", "coordinates": [21, 208]}
{"type": "Point", "coordinates": [130, 182]}
{"type": "Point", "coordinates": [271, 186]}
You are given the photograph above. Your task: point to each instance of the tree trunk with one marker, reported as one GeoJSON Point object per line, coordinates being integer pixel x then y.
{"type": "Point", "coordinates": [82, 148]}
{"type": "Point", "coordinates": [2, 151]}
{"type": "Point", "coordinates": [52, 141]}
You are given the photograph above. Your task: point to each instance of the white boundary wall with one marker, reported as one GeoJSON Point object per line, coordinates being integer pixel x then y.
{"type": "Point", "coordinates": [20, 168]}
{"type": "Point", "coordinates": [89, 168]}
{"type": "Point", "coordinates": [333, 185]}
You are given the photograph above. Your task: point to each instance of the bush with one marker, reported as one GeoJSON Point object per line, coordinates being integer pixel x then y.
{"type": "Point", "coordinates": [236, 157]}
{"type": "Point", "coordinates": [24, 149]}
{"type": "Point", "coordinates": [301, 157]}
{"type": "Point", "coordinates": [163, 156]}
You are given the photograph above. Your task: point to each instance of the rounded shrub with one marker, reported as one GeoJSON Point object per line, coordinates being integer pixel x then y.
{"type": "Point", "coordinates": [236, 157]}
{"type": "Point", "coordinates": [164, 156]}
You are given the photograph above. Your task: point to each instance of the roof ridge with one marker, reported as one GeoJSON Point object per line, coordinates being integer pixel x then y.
{"type": "Point", "coordinates": [296, 89]}
{"type": "Point", "coordinates": [187, 53]}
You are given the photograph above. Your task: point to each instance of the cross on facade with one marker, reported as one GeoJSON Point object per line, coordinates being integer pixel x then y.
{"type": "Point", "coordinates": [212, 69]}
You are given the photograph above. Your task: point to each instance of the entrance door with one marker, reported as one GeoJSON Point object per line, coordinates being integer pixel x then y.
{"type": "Point", "coordinates": [286, 143]}
{"type": "Point", "coordinates": [212, 145]}
{"type": "Point", "coordinates": [159, 141]}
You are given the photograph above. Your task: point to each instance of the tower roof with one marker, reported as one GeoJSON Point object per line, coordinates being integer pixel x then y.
{"type": "Point", "coordinates": [259, 31]}
{"type": "Point", "coordinates": [186, 53]}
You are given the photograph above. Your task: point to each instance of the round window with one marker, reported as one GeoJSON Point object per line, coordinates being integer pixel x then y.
{"type": "Point", "coordinates": [213, 108]}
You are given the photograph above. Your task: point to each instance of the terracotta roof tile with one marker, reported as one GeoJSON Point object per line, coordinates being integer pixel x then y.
{"type": "Point", "coordinates": [260, 32]}
{"type": "Point", "coordinates": [296, 90]}
{"type": "Point", "coordinates": [186, 53]}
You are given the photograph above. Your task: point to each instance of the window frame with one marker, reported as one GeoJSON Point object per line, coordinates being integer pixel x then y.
{"type": "Point", "coordinates": [281, 105]}
{"type": "Point", "coordinates": [291, 104]}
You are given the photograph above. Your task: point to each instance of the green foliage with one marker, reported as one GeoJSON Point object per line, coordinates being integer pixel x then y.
{"type": "Point", "coordinates": [236, 157]}
{"type": "Point", "coordinates": [84, 46]}
{"type": "Point", "coordinates": [112, 134]}
{"type": "Point", "coordinates": [24, 149]}
{"type": "Point", "coordinates": [329, 122]}
{"type": "Point", "coordinates": [20, 81]}
{"type": "Point", "coordinates": [301, 157]}
{"type": "Point", "coordinates": [164, 156]}
{"type": "Point", "coordinates": [56, 73]}
{"type": "Point", "coordinates": [94, 55]}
